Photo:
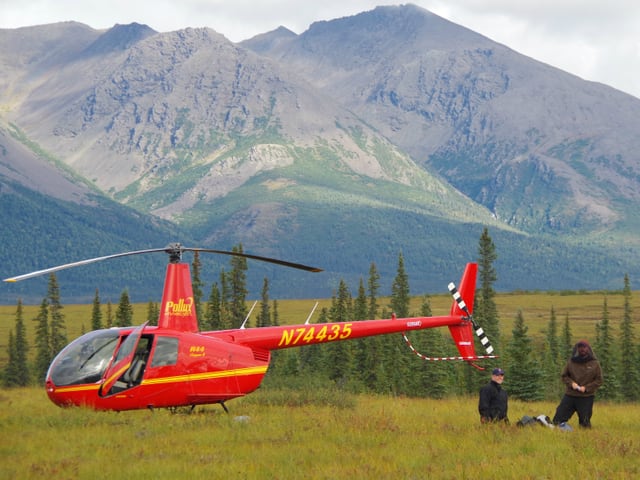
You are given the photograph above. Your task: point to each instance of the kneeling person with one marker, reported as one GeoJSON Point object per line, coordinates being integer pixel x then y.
{"type": "Point", "coordinates": [493, 404]}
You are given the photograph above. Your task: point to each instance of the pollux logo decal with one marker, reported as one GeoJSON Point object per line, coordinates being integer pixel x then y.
{"type": "Point", "coordinates": [182, 308]}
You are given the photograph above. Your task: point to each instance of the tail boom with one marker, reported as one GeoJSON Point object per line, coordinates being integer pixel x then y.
{"type": "Point", "coordinates": [459, 321]}
{"type": "Point", "coordinates": [280, 337]}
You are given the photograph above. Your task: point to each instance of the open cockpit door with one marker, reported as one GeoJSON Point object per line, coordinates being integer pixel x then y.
{"type": "Point", "coordinates": [126, 369]}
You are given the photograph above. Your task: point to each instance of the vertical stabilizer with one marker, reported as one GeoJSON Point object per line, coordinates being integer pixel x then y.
{"type": "Point", "coordinates": [178, 309]}
{"type": "Point", "coordinates": [462, 334]}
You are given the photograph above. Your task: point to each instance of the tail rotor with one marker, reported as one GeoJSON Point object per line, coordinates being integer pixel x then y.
{"type": "Point", "coordinates": [484, 340]}
{"type": "Point", "coordinates": [463, 325]}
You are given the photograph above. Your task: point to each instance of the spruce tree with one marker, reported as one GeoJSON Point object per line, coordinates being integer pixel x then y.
{"type": "Point", "coordinates": [363, 348]}
{"type": "Point", "coordinates": [368, 350]}
{"type": "Point", "coordinates": [42, 342]}
{"type": "Point", "coordinates": [524, 376]}
{"type": "Point", "coordinates": [360, 307]}
{"type": "Point", "coordinates": [373, 363]}
{"type": "Point", "coordinates": [340, 355]}
{"type": "Point", "coordinates": [58, 329]}
{"type": "Point", "coordinates": [485, 310]}
{"type": "Point", "coordinates": [21, 349]}
{"type": "Point", "coordinates": [212, 316]}
{"type": "Point", "coordinates": [109, 315]}
{"type": "Point", "coordinates": [96, 313]}
{"type": "Point", "coordinates": [313, 358]}
{"type": "Point", "coordinates": [385, 362]}
{"type": "Point", "coordinates": [196, 284]}
{"type": "Point", "coordinates": [604, 350]}
{"type": "Point", "coordinates": [264, 318]}
{"type": "Point", "coordinates": [400, 292]}
{"type": "Point", "coordinates": [275, 319]}
{"type": "Point", "coordinates": [238, 285]}
{"type": "Point", "coordinates": [153, 313]}
{"type": "Point", "coordinates": [433, 376]}
{"type": "Point", "coordinates": [225, 301]}
{"type": "Point", "coordinates": [124, 312]}
{"type": "Point", "coordinates": [394, 354]}
{"type": "Point", "coordinates": [629, 377]}
{"type": "Point", "coordinates": [288, 362]}
{"type": "Point", "coordinates": [10, 371]}
{"type": "Point", "coordinates": [342, 306]}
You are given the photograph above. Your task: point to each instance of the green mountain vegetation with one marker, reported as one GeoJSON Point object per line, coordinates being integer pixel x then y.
{"type": "Point", "coordinates": [41, 232]}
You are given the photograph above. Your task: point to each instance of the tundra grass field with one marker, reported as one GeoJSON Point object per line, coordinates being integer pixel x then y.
{"type": "Point", "coordinates": [322, 433]}
{"type": "Point", "coordinates": [269, 435]}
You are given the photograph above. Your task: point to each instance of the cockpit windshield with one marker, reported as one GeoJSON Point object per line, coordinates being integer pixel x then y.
{"type": "Point", "coordinates": [85, 359]}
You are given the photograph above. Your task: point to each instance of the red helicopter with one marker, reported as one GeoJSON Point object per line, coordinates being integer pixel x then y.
{"type": "Point", "coordinates": [176, 365]}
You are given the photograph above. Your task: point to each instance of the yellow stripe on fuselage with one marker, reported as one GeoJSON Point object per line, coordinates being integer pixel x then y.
{"type": "Point", "coordinates": [192, 377]}
{"type": "Point", "coordinates": [206, 375]}
{"type": "Point", "coordinates": [77, 388]}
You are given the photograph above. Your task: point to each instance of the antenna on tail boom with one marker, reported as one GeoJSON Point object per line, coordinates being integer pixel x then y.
{"type": "Point", "coordinates": [248, 315]}
{"type": "Point", "coordinates": [310, 314]}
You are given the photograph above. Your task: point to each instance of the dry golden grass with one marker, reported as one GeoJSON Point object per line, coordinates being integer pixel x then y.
{"type": "Point", "coordinates": [373, 437]}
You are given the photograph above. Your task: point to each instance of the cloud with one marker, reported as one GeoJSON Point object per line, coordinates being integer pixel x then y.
{"type": "Point", "coordinates": [594, 39]}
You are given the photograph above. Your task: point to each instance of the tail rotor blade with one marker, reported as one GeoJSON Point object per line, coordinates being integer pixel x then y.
{"type": "Point", "coordinates": [458, 298]}
{"type": "Point", "coordinates": [484, 340]}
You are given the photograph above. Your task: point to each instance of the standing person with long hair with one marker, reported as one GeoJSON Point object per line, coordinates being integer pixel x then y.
{"type": "Point", "coordinates": [582, 376]}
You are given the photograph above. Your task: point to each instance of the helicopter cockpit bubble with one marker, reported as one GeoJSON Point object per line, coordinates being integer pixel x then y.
{"type": "Point", "coordinates": [85, 359]}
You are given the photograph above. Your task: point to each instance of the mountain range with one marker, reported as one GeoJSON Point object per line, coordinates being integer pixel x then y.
{"type": "Point", "coordinates": [391, 131]}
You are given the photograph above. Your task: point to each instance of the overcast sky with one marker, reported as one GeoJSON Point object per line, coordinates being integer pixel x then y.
{"type": "Point", "coordinates": [595, 39]}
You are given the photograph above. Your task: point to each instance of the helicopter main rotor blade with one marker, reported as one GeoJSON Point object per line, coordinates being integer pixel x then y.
{"type": "Point", "coordinates": [81, 262]}
{"type": "Point", "coordinates": [174, 250]}
{"type": "Point", "coordinates": [299, 266]}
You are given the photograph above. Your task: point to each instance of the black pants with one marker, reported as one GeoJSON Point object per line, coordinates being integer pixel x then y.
{"type": "Point", "coordinates": [569, 405]}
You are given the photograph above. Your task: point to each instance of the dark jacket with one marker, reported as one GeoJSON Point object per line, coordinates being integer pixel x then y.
{"type": "Point", "coordinates": [493, 404]}
{"type": "Point", "coordinates": [585, 371]}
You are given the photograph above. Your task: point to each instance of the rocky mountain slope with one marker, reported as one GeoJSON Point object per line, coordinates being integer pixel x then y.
{"type": "Point", "coordinates": [389, 131]}
{"type": "Point", "coordinates": [540, 148]}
